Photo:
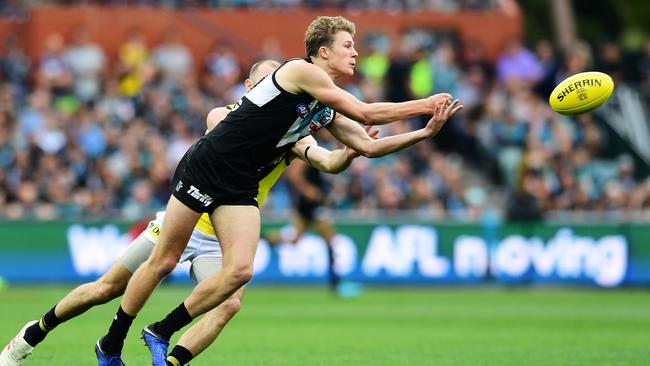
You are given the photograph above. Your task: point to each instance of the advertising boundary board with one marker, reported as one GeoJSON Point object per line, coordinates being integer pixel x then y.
{"type": "Point", "coordinates": [386, 253]}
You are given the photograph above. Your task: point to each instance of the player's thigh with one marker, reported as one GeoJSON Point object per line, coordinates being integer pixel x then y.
{"type": "Point", "coordinates": [238, 231]}
{"type": "Point", "coordinates": [139, 250]}
{"type": "Point", "coordinates": [176, 229]}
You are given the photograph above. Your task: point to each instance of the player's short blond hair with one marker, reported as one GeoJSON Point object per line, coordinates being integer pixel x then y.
{"type": "Point", "coordinates": [322, 30]}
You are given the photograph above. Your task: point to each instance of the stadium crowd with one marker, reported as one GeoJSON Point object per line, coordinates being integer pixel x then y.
{"type": "Point", "coordinates": [86, 134]}
{"type": "Point", "coordinates": [20, 9]}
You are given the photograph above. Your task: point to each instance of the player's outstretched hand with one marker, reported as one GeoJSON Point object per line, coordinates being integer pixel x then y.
{"type": "Point", "coordinates": [441, 114]}
{"type": "Point", "coordinates": [372, 132]}
{"type": "Point", "coordinates": [436, 100]}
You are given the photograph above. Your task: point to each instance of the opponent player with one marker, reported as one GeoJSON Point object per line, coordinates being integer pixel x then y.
{"type": "Point", "coordinates": [203, 251]}
{"type": "Point", "coordinates": [219, 173]}
{"type": "Point", "coordinates": [310, 211]}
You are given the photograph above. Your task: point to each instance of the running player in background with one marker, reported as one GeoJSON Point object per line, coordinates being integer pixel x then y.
{"type": "Point", "coordinates": [310, 211]}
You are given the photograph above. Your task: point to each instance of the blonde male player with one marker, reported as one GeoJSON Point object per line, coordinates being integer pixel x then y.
{"type": "Point", "coordinates": [219, 174]}
{"type": "Point", "coordinates": [203, 252]}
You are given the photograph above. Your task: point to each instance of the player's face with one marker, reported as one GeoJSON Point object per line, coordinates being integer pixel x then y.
{"type": "Point", "coordinates": [342, 54]}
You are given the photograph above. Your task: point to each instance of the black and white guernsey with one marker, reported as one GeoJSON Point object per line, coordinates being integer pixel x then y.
{"type": "Point", "coordinates": [254, 137]}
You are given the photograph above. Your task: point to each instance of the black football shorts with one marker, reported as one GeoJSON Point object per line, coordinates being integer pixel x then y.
{"type": "Point", "coordinates": [203, 181]}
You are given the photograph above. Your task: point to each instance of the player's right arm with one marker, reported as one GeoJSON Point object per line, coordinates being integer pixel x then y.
{"type": "Point", "coordinates": [328, 161]}
{"type": "Point", "coordinates": [351, 134]}
{"type": "Point", "coordinates": [300, 76]}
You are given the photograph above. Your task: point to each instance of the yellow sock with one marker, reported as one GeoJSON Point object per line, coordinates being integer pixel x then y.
{"type": "Point", "coordinates": [173, 361]}
{"type": "Point", "coordinates": [41, 324]}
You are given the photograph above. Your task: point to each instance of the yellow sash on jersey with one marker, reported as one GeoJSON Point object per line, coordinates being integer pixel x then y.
{"type": "Point", "coordinates": [204, 224]}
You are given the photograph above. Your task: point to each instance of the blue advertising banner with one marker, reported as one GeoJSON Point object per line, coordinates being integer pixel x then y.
{"type": "Point", "coordinates": [386, 253]}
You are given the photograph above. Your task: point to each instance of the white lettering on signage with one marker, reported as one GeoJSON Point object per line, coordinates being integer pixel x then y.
{"type": "Point", "coordinates": [397, 254]}
{"type": "Point", "coordinates": [402, 252]}
{"type": "Point", "coordinates": [410, 249]}
{"type": "Point", "coordinates": [94, 249]}
{"type": "Point", "coordinates": [345, 255]}
{"type": "Point", "coordinates": [470, 257]}
{"type": "Point", "coordinates": [565, 255]}
{"type": "Point", "coordinates": [609, 263]}
{"type": "Point", "coordinates": [309, 256]}
{"type": "Point", "coordinates": [512, 257]}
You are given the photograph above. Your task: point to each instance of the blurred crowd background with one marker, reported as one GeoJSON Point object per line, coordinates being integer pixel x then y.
{"type": "Point", "coordinates": [85, 134]}
{"type": "Point", "coordinates": [21, 7]}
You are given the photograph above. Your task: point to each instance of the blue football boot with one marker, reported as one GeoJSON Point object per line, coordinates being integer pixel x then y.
{"type": "Point", "coordinates": [157, 346]}
{"type": "Point", "coordinates": [107, 360]}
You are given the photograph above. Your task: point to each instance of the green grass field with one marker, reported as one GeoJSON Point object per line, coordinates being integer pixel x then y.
{"type": "Point", "coordinates": [299, 326]}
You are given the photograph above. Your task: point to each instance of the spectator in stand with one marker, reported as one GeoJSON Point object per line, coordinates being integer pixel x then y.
{"type": "Point", "coordinates": [549, 64]}
{"type": "Point", "coordinates": [14, 9]}
{"type": "Point", "coordinates": [611, 60]}
{"type": "Point", "coordinates": [87, 63]}
{"type": "Point", "coordinates": [224, 72]}
{"type": "Point", "coordinates": [446, 73]}
{"type": "Point", "coordinates": [133, 66]}
{"type": "Point", "coordinates": [421, 75]}
{"type": "Point", "coordinates": [92, 156]}
{"type": "Point", "coordinates": [472, 86]}
{"type": "Point", "coordinates": [141, 202]}
{"type": "Point", "coordinates": [114, 106]}
{"type": "Point", "coordinates": [374, 64]}
{"type": "Point", "coordinates": [523, 204]}
{"type": "Point", "coordinates": [398, 72]}
{"type": "Point", "coordinates": [578, 59]}
{"type": "Point", "coordinates": [89, 134]}
{"type": "Point", "coordinates": [172, 59]}
{"type": "Point", "coordinates": [474, 55]}
{"type": "Point", "coordinates": [182, 138]}
{"type": "Point", "coordinates": [14, 63]}
{"type": "Point", "coordinates": [518, 63]}
{"type": "Point", "coordinates": [52, 71]}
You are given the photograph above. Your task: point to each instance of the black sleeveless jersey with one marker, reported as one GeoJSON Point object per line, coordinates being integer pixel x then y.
{"type": "Point", "coordinates": [262, 127]}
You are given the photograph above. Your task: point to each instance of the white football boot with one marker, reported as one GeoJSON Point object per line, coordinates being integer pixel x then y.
{"type": "Point", "coordinates": [15, 353]}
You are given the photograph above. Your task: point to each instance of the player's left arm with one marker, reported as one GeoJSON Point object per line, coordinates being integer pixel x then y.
{"type": "Point", "coordinates": [300, 76]}
{"type": "Point", "coordinates": [328, 161]}
{"type": "Point", "coordinates": [351, 134]}
{"type": "Point", "coordinates": [215, 116]}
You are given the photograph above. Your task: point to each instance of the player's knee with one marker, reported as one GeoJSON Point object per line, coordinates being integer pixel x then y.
{"type": "Point", "coordinates": [107, 291]}
{"type": "Point", "coordinates": [241, 274]}
{"type": "Point", "coordinates": [164, 266]}
{"type": "Point", "coordinates": [231, 307]}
